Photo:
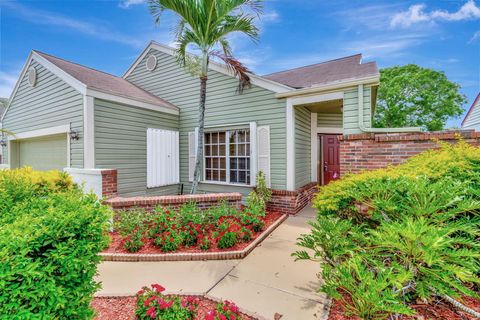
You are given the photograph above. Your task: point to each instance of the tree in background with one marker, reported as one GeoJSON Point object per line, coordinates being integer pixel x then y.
{"type": "Point", "coordinates": [205, 25]}
{"type": "Point", "coordinates": [412, 96]}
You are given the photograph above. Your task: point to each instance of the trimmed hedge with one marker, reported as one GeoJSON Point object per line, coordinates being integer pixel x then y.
{"type": "Point", "coordinates": [50, 235]}
{"type": "Point", "coordinates": [388, 237]}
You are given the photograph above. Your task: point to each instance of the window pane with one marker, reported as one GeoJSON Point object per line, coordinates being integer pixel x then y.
{"type": "Point", "coordinates": [221, 137]}
{"type": "Point", "coordinates": [242, 163]}
{"type": "Point", "coordinates": [222, 150]}
{"type": "Point", "coordinates": [208, 163]}
{"type": "Point", "coordinates": [214, 150]}
{"type": "Point", "coordinates": [233, 176]}
{"type": "Point", "coordinates": [208, 151]}
{"type": "Point", "coordinates": [242, 177]}
{"type": "Point", "coordinates": [223, 175]}
{"type": "Point", "coordinates": [223, 163]}
{"type": "Point", "coordinates": [207, 138]}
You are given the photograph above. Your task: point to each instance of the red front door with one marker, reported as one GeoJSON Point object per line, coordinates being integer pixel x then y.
{"type": "Point", "coordinates": [330, 163]}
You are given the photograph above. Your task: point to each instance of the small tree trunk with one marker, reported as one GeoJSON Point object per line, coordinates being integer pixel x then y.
{"type": "Point", "coordinates": [201, 124]}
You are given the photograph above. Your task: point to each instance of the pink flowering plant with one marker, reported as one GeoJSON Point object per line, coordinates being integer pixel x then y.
{"type": "Point", "coordinates": [224, 311]}
{"type": "Point", "coordinates": [153, 304]}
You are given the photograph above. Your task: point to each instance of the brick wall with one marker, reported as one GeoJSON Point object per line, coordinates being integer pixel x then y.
{"type": "Point", "coordinates": [149, 203]}
{"type": "Point", "coordinates": [291, 202]}
{"type": "Point", "coordinates": [372, 151]}
{"type": "Point", "coordinates": [109, 183]}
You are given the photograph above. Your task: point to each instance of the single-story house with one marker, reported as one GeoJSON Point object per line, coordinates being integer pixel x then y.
{"type": "Point", "coordinates": [68, 116]}
{"type": "Point", "coordinates": [472, 119]}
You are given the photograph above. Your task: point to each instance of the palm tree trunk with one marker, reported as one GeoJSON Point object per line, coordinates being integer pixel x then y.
{"type": "Point", "coordinates": [201, 125]}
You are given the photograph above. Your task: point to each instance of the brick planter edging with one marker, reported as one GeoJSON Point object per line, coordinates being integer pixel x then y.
{"type": "Point", "coordinates": [224, 255]}
{"type": "Point", "coordinates": [202, 200]}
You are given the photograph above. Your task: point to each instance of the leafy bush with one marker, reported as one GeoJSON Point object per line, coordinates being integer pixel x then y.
{"type": "Point", "coordinates": [50, 236]}
{"type": "Point", "coordinates": [390, 236]}
{"type": "Point", "coordinates": [152, 304]}
{"type": "Point", "coordinates": [257, 199]}
{"type": "Point", "coordinates": [227, 240]}
{"type": "Point", "coordinates": [224, 310]}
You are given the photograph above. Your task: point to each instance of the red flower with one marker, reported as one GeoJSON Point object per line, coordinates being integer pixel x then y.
{"type": "Point", "coordinates": [152, 313]}
{"type": "Point", "coordinates": [211, 315]}
{"type": "Point", "coordinates": [222, 317]}
{"type": "Point", "coordinates": [158, 288]}
{"type": "Point", "coordinates": [139, 292]}
{"type": "Point", "coordinates": [164, 304]}
{"type": "Point", "coordinates": [147, 302]}
{"type": "Point", "coordinates": [171, 239]}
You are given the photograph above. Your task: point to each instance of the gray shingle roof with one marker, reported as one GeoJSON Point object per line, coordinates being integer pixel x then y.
{"type": "Point", "coordinates": [326, 72]}
{"type": "Point", "coordinates": [105, 82]}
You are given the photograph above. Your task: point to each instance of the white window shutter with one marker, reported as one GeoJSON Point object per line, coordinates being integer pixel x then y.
{"type": "Point", "coordinates": [253, 153]}
{"type": "Point", "coordinates": [162, 158]}
{"type": "Point", "coordinates": [192, 153]}
{"type": "Point", "coordinates": [263, 151]}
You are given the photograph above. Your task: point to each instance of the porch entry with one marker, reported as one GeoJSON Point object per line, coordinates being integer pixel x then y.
{"type": "Point", "coordinates": [329, 158]}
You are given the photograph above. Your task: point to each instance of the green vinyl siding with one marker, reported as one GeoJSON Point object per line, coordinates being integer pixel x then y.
{"type": "Point", "coordinates": [329, 120]}
{"type": "Point", "coordinates": [473, 119]}
{"type": "Point", "coordinates": [51, 103]}
{"type": "Point", "coordinates": [350, 110]}
{"type": "Point", "coordinates": [225, 106]}
{"type": "Point", "coordinates": [120, 142]}
{"type": "Point", "coordinates": [302, 147]}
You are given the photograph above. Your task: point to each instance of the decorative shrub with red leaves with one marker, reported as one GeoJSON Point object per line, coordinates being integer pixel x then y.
{"type": "Point", "coordinates": [153, 304]}
{"type": "Point", "coordinates": [224, 311]}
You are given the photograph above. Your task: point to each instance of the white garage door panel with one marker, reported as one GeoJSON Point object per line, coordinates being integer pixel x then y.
{"type": "Point", "coordinates": [46, 153]}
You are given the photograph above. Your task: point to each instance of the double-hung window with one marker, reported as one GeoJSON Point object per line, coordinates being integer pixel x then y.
{"type": "Point", "coordinates": [227, 156]}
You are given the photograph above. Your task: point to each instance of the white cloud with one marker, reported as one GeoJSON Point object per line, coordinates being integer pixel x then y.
{"type": "Point", "coordinates": [475, 37]}
{"type": "Point", "coordinates": [270, 16]}
{"type": "Point", "coordinates": [381, 47]}
{"type": "Point", "coordinates": [96, 30]}
{"type": "Point", "coordinates": [125, 4]}
{"type": "Point", "coordinates": [417, 14]}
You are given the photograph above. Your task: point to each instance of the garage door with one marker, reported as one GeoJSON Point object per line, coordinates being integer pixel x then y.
{"type": "Point", "coordinates": [46, 153]}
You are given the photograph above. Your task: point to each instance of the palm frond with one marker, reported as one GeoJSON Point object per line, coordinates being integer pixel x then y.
{"type": "Point", "coordinates": [236, 67]}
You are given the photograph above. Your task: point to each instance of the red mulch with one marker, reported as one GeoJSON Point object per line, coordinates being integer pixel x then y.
{"type": "Point", "coordinates": [116, 243]}
{"type": "Point", "coordinates": [438, 309]}
{"type": "Point", "coordinates": [123, 308]}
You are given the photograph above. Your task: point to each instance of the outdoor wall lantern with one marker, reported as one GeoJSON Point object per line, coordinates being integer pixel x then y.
{"type": "Point", "coordinates": [73, 135]}
{"type": "Point", "coordinates": [3, 143]}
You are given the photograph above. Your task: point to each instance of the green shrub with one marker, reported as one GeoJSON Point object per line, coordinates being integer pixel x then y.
{"type": "Point", "coordinates": [257, 200]}
{"type": "Point", "coordinates": [388, 237]}
{"type": "Point", "coordinates": [50, 237]}
{"type": "Point", "coordinates": [227, 240]}
{"type": "Point", "coordinates": [134, 242]}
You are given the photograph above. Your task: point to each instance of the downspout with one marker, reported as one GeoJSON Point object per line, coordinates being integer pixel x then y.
{"type": "Point", "coordinates": [362, 127]}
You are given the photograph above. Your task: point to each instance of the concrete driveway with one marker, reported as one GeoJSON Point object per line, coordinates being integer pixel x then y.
{"type": "Point", "coordinates": [266, 282]}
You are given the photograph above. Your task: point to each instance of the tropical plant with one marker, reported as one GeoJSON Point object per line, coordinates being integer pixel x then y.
{"type": "Point", "coordinates": [206, 25]}
{"type": "Point", "coordinates": [388, 237]}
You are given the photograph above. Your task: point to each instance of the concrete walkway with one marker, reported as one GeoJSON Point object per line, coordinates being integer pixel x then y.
{"type": "Point", "coordinates": [266, 282]}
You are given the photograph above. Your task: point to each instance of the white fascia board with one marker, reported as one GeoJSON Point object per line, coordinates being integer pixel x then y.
{"type": "Point", "coordinates": [317, 98]}
{"type": "Point", "coordinates": [41, 132]}
{"type": "Point", "coordinates": [336, 86]}
{"type": "Point", "coordinates": [136, 103]}
{"type": "Point", "coordinates": [255, 80]}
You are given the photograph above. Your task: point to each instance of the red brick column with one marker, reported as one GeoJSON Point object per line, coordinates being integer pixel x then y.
{"type": "Point", "coordinates": [291, 202]}
{"type": "Point", "coordinates": [109, 183]}
{"type": "Point", "coordinates": [371, 151]}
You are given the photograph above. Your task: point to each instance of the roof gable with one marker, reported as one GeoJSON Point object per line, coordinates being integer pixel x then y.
{"type": "Point", "coordinates": [105, 82]}
{"type": "Point", "coordinates": [475, 104]}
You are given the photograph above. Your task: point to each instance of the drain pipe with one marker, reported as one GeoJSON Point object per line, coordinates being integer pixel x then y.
{"type": "Point", "coordinates": [362, 127]}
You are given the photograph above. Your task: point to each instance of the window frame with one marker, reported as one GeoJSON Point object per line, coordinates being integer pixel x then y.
{"type": "Point", "coordinates": [227, 156]}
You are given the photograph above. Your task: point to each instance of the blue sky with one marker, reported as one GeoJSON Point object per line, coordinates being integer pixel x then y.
{"type": "Point", "coordinates": [108, 35]}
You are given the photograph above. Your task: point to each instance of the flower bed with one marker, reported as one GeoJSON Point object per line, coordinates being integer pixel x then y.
{"type": "Point", "coordinates": [150, 303]}
{"type": "Point", "coordinates": [188, 229]}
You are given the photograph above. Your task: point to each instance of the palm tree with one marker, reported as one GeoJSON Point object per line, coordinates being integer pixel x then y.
{"type": "Point", "coordinates": [205, 25]}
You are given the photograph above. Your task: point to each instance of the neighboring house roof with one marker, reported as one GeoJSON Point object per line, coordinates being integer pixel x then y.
{"type": "Point", "coordinates": [105, 82]}
{"type": "Point", "coordinates": [476, 103]}
{"type": "Point", "coordinates": [332, 71]}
